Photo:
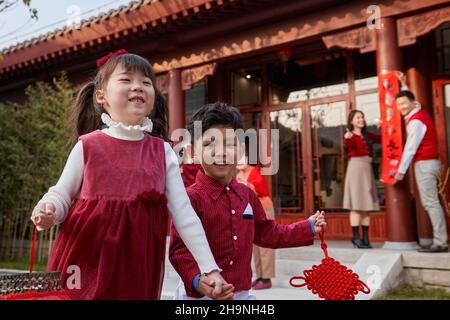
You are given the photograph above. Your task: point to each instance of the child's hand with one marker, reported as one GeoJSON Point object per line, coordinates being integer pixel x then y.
{"type": "Point", "coordinates": [227, 292]}
{"type": "Point", "coordinates": [206, 287]}
{"type": "Point", "coordinates": [45, 218]}
{"type": "Point", "coordinates": [215, 279]}
{"type": "Point", "coordinates": [318, 220]}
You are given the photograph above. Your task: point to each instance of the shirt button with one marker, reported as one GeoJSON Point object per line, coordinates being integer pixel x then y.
{"type": "Point", "coordinates": [231, 262]}
{"type": "Point", "coordinates": [235, 237]}
{"type": "Point", "coordinates": [233, 212]}
{"type": "Point", "coordinates": [228, 188]}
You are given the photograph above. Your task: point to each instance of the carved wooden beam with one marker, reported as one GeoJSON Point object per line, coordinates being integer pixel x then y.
{"type": "Point", "coordinates": [189, 77]}
{"type": "Point", "coordinates": [361, 38]}
{"type": "Point", "coordinates": [409, 28]}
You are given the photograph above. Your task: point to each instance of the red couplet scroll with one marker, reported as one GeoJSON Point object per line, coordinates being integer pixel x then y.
{"type": "Point", "coordinates": [391, 126]}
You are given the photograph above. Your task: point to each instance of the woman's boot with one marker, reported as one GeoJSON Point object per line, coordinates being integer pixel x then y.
{"type": "Point", "coordinates": [356, 240]}
{"type": "Point", "coordinates": [365, 237]}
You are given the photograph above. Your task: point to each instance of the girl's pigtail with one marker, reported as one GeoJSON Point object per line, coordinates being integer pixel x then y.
{"type": "Point", "coordinates": [159, 116]}
{"type": "Point", "coordinates": [85, 116]}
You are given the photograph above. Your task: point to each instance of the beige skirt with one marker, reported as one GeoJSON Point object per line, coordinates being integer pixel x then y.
{"type": "Point", "coordinates": [360, 192]}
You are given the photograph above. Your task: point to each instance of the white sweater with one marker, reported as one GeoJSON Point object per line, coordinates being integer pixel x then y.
{"type": "Point", "coordinates": [183, 215]}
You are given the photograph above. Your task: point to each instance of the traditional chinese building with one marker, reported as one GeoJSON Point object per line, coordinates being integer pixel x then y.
{"type": "Point", "coordinates": [298, 66]}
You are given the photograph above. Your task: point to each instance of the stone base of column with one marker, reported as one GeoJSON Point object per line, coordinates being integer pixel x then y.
{"type": "Point", "coordinates": [401, 245]}
{"type": "Point", "coordinates": [425, 241]}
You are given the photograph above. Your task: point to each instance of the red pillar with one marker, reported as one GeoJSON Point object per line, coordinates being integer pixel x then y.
{"type": "Point", "coordinates": [176, 109]}
{"type": "Point", "coordinates": [176, 101]}
{"type": "Point", "coordinates": [399, 220]}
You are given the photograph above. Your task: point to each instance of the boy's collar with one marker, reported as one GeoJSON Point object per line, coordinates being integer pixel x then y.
{"type": "Point", "coordinates": [214, 188]}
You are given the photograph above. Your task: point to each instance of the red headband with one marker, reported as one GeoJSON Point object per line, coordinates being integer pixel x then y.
{"type": "Point", "coordinates": [103, 60]}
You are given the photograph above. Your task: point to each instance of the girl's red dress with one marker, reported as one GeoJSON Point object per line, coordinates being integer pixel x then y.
{"type": "Point", "coordinates": [115, 232]}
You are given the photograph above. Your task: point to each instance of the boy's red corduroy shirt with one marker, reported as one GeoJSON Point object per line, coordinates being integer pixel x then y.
{"type": "Point", "coordinates": [233, 219]}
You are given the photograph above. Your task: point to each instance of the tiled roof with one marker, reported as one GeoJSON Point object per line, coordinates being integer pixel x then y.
{"type": "Point", "coordinates": [133, 5]}
{"type": "Point", "coordinates": [137, 16]}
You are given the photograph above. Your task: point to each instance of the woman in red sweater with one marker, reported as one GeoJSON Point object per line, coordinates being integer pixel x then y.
{"type": "Point", "coordinates": [360, 193]}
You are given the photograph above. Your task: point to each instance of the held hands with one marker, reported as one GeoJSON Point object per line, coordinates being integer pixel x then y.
{"type": "Point", "coordinates": [45, 218]}
{"type": "Point", "coordinates": [214, 286]}
{"type": "Point", "coordinates": [348, 134]}
{"type": "Point", "coordinates": [318, 220]}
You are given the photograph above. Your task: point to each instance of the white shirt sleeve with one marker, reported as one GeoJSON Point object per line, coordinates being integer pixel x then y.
{"type": "Point", "coordinates": [416, 130]}
{"type": "Point", "coordinates": [184, 218]}
{"type": "Point", "coordinates": [68, 186]}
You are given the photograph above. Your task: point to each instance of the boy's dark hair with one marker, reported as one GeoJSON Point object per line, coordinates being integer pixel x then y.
{"type": "Point", "coordinates": [405, 93]}
{"type": "Point", "coordinates": [213, 114]}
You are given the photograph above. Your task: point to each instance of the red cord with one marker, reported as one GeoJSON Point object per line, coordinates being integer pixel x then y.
{"type": "Point", "coordinates": [33, 249]}
{"type": "Point", "coordinates": [330, 279]}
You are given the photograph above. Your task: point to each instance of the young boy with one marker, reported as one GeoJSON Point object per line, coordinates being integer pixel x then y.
{"type": "Point", "coordinates": [231, 213]}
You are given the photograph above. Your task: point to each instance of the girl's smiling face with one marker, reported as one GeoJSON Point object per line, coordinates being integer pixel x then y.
{"type": "Point", "coordinates": [128, 97]}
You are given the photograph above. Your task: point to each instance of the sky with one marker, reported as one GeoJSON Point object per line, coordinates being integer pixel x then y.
{"type": "Point", "coordinates": [16, 25]}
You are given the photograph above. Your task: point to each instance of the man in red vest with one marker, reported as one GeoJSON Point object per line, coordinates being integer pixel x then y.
{"type": "Point", "coordinates": [421, 148]}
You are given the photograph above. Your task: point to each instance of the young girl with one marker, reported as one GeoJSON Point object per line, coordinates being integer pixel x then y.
{"type": "Point", "coordinates": [117, 187]}
{"type": "Point", "coordinates": [360, 193]}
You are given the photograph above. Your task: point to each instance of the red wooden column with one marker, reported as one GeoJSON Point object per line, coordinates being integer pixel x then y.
{"type": "Point", "coordinates": [176, 110]}
{"type": "Point", "coordinates": [399, 219]}
{"type": "Point", "coordinates": [176, 101]}
{"type": "Point", "coordinates": [419, 82]}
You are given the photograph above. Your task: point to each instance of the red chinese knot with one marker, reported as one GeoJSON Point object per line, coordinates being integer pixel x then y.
{"type": "Point", "coordinates": [331, 280]}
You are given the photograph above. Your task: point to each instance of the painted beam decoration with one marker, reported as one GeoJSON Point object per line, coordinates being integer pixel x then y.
{"type": "Point", "coordinates": [391, 126]}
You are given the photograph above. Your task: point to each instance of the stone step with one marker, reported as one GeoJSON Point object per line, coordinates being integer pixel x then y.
{"type": "Point", "coordinates": [427, 277]}
{"type": "Point", "coordinates": [315, 253]}
{"type": "Point", "coordinates": [281, 293]}
{"type": "Point", "coordinates": [381, 272]}
{"type": "Point", "coordinates": [424, 260]}
{"type": "Point", "coordinates": [290, 268]}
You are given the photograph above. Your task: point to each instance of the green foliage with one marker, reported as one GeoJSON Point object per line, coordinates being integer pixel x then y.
{"type": "Point", "coordinates": [21, 264]}
{"type": "Point", "coordinates": [33, 144]}
{"type": "Point", "coordinates": [410, 293]}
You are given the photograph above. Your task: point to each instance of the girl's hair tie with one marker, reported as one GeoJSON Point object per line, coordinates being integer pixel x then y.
{"type": "Point", "coordinates": [104, 59]}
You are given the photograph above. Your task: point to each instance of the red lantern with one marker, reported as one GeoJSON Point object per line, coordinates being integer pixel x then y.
{"type": "Point", "coordinates": [284, 54]}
